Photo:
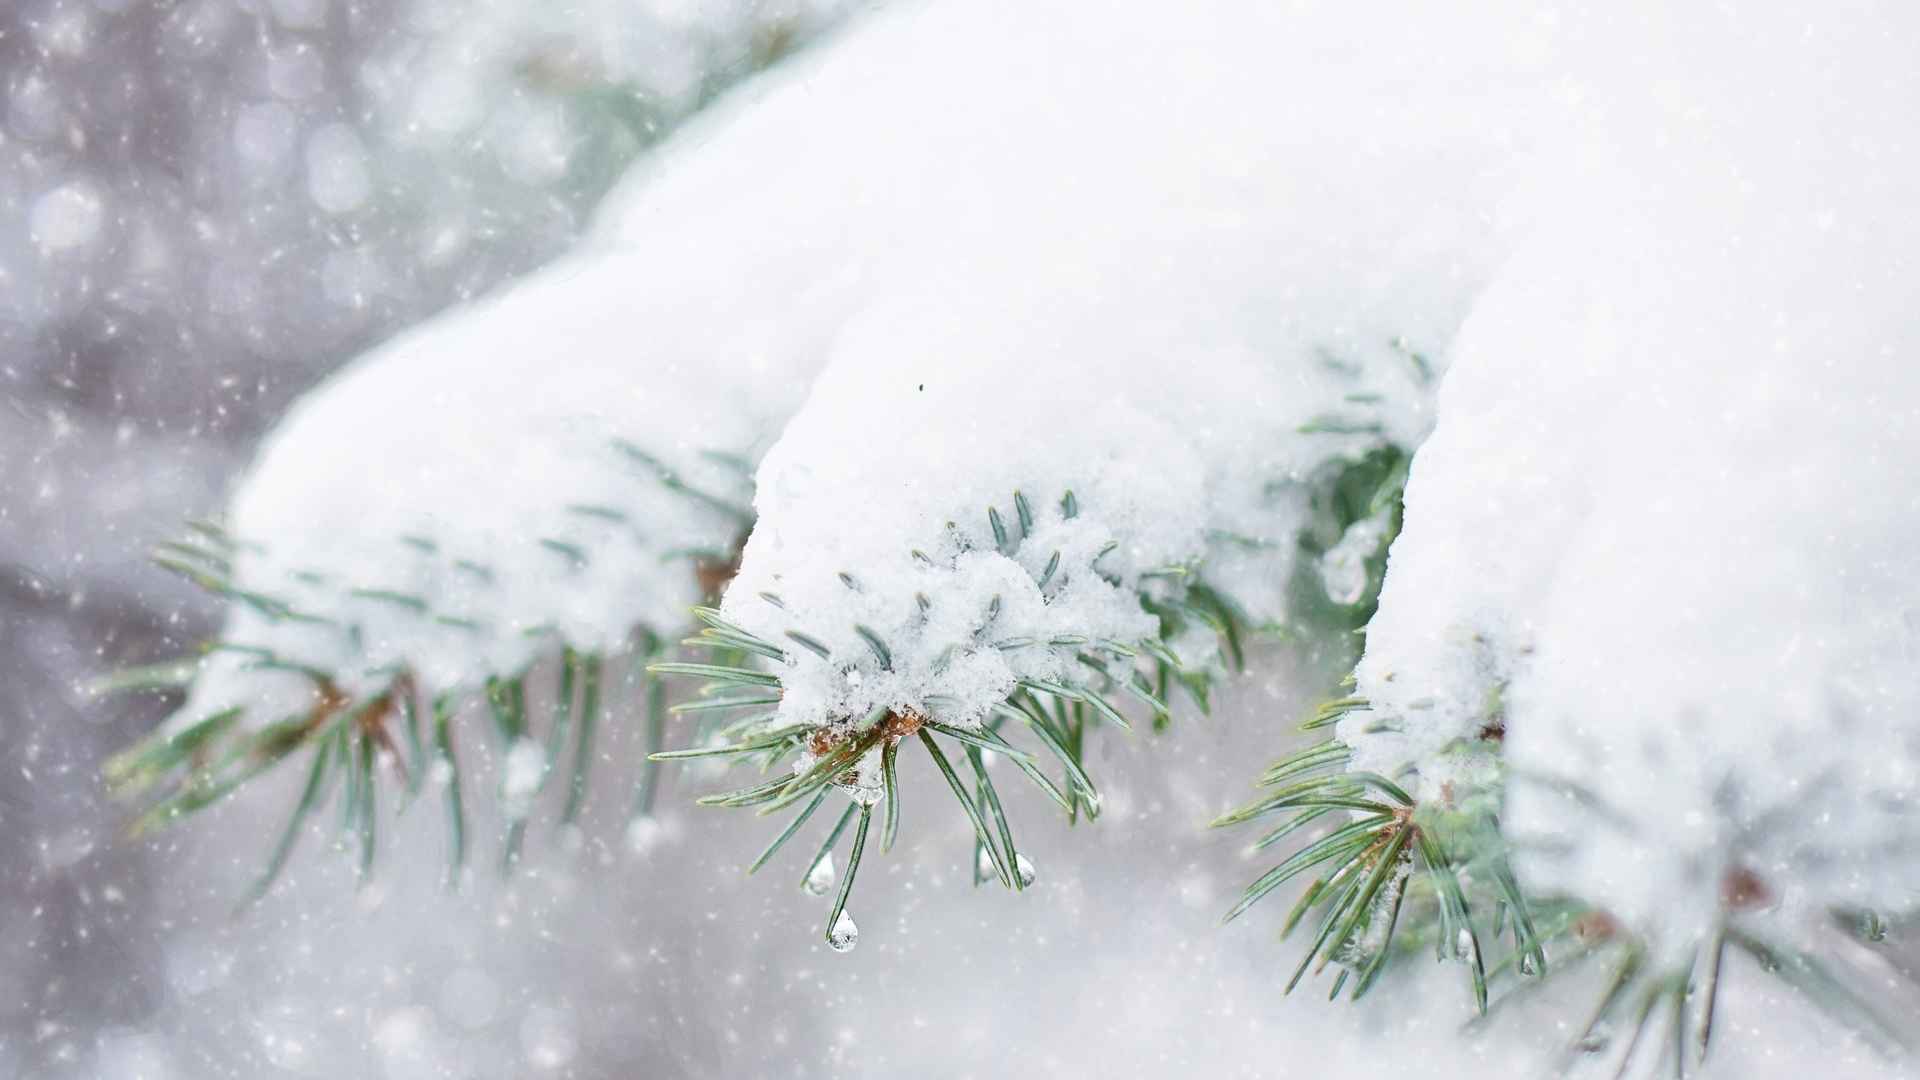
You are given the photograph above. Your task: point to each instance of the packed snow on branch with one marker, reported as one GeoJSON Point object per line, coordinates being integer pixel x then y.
{"type": "Point", "coordinates": [1094, 303]}
{"type": "Point", "coordinates": [1664, 534]}
{"type": "Point", "coordinates": [490, 483]}
{"type": "Point", "coordinates": [1164, 329]}
{"type": "Point", "coordinates": [1041, 397]}
{"type": "Point", "coordinates": [1187, 401]}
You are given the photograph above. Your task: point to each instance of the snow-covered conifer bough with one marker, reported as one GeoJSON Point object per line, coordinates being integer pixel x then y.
{"type": "Point", "coordinates": [1644, 670]}
{"type": "Point", "coordinates": [1067, 445]}
{"type": "Point", "coordinates": [492, 493]}
{"type": "Point", "coordinates": [1125, 330]}
{"type": "Point", "coordinates": [477, 495]}
{"type": "Point", "coordinates": [487, 491]}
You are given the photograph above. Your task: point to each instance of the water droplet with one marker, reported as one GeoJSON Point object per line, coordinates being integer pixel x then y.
{"type": "Point", "coordinates": [1346, 578]}
{"type": "Point", "coordinates": [983, 864]}
{"type": "Point", "coordinates": [1343, 569]}
{"type": "Point", "coordinates": [1526, 964]}
{"type": "Point", "coordinates": [844, 935]}
{"type": "Point", "coordinates": [1872, 927]}
{"type": "Point", "coordinates": [821, 877]}
{"type": "Point", "coordinates": [865, 783]}
{"type": "Point", "coordinates": [1024, 867]}
{"type": "Point", "coordinates": [863, 794]}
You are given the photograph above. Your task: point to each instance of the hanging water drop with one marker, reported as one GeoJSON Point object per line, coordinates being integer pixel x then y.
{"type": "Point", "coordinates": [1343, 569]}
{"type": "Point", "coordinates": [983, 865]}
{"type": "Point", "coordinates": [844, 935]}
{"type": "Point", "coordinates": [865, 794]}
{"type": "Point", "coordinates": [864, 783]}
{"type": "Point", "coordinates": [821, 877]}
{"type": "Point", "coordinates": [1872, 927]}
{"type": "Point", "coordinates": [1023, 867]}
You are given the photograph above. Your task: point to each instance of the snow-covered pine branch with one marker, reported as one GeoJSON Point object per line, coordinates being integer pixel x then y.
{"type": "Point", "coordinates": [1111, 313]}
{"type": "Point", "coordinates": [1005, 563]}
{"type": "Point", "coordinates": [492, 492]}
{"type": "Point", "coordinates": [1661, 592]}
{"type": "Point", "coordinates": [1070, 434]}
{"type": "Point", "coordinates": [1644, 667]}
{"type": "Point", "coordinates": [483, 492]}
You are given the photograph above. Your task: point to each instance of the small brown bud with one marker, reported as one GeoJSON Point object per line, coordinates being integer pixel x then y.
{"type": "Point", "coordinates": [1743, 890]}
{"type": "Point", "coordinates": [1596, 926]}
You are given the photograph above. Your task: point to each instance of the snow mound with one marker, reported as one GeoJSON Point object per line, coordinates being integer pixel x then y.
{"type": "Point", "coordinates": [477, 488]}
{"type": "Point", "coordinates": [1144, 307]}
{"type": "Point", "coordinates": [1656, 584]}
{"type": "Point", "coordinates": [1662, 538]}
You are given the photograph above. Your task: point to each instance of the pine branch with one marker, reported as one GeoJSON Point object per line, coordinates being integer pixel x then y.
{"type": "Point", "coordinates": [344, 734]}
{"type": "Point", "coordinates": [859, 756]}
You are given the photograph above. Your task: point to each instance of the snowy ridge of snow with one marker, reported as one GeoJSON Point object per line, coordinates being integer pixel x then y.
{"type": "Point", "coordinates": [1658, 552]}
{"type": "Point", "coordinates": [462, 496]}
{"type": "Point", "coordinates": [502, 465]}
{"type": "Point", "coordinates": [473, 486]}
{"type": "Point", "coordinates": [458, 498]}
{"type": "Point", "coordinates": [1664, 532]}
{"type": "Point", "coordinates": [907, 510]}
{"type": "Point", "coordinates": [1151, 328]}
{"type": "Point", "coordinates": [1249, 324]}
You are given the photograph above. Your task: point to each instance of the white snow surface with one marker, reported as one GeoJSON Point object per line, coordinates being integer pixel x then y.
{"type": "Point", "coordinates": [1665, 528]}
{"type": "Point", "coordinates": [1149, 328]}
{"type": "Point", "coordinates": [456, 499]}
{"type": "Point", "coordinates": [1143, 306]}
{"type": "Point", "coordinates": [475, 466]}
